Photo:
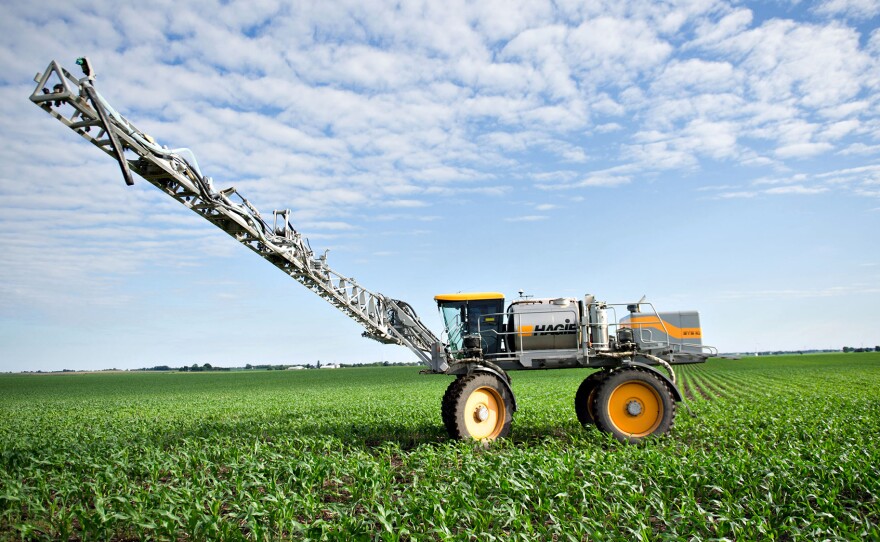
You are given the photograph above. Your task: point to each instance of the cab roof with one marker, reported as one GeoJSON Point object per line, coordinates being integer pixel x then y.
{"type": "Point", "coordinates": [471, 296]}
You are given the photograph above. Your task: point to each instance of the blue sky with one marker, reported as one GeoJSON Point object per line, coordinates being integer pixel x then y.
{"type": "Point", "coordinates": [718, 156]}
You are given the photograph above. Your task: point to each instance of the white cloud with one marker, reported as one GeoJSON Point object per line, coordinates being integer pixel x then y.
{"type": "Point", "coordinates": [738, 194]}
{"type": "Point", "coordinates": [616, 48]}
{"type": "Point", "coordinates": [604, 180]}
{"type": "Point", "coordinates": [607, 179]}
{"type": "Point", "coordinates": [802, 150]}
{"type": "Point", "coordinates": [490, 191]}
{"type": "Point", "coordinates": [711, 32]}
{"type": "Point", "coordinates": [860, 149]}
{"type": "Point", "coordinates": [795, 189]}
{"type": "Point", "coordinates": [501, 20]}
{"type": "Point", "coordinates": [715, 188]}
{"type": "Point", "coordinates": [608, 128]}
{"type": "Point", "coordinates": [839, 129]}
{"type": "Point", "coordinates": [870, 169]}
{"type": "Point", "coordinates": [856, 9]}
{"type": "Point", "coordinates": [661, 152]}
{"type": "Point", "coordinates": [606, 105]}
{"type": "Point", "coordinates": [526, 218]}
{"type": "Point", "coordinates": [715, 139]}
{"type": "Point", "coordinates": [404, 217]}
{"type": "Point", "coordinates": [858, 181]}
{"type": "Point", "coordinates": [696, 75]}
{"type": "Point", "coordinates": [405, 203]}
{"type": "Point", "coordinates": [815, 65]}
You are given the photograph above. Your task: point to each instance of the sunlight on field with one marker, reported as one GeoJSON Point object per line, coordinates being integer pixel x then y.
{"type": "Point", "coordinates": [783, 447]}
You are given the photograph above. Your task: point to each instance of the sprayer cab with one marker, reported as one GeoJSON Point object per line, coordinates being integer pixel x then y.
{"type": "Point", "coordinates": [474, 321]}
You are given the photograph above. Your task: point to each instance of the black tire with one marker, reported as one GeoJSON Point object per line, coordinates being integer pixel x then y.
{"type": "Point", "coordinates": [447, 407]}
{"type": "Point", "coordinates": [633, 404]}
{"type": "Point", "coordinates": [477, 406]}
{"type": "Point", "coordinates": [583, 399]}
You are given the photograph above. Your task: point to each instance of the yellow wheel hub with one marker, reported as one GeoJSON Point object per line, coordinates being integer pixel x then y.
{"type": "Point", "coordinates": [635, 408]}
{"type": "Point", "coordinates": [484, 413]}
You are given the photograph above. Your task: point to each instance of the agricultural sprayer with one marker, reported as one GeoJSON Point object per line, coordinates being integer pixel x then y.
{"type": "Point", "coordinates": [485, 338]}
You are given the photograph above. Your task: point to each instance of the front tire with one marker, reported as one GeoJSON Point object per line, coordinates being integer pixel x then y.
{"type": "Point", "coordinates": [477, 406]}
{"type": "Point", "coordinates": [633, 404]}
{"type": "Point", "coordinates": [583, 399]}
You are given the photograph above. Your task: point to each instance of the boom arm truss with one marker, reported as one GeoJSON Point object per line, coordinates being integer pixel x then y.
{"type": "Point", "coordinates": [76, 103]}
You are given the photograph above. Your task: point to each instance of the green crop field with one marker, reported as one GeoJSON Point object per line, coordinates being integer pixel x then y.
{"type": "Point", "coordinates": [782, 448]}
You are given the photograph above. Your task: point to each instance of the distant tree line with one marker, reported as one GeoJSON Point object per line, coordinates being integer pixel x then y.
{"type": "Point", "coordinates": [787, 352]}
{"type": "Point", "coordinates": [317, 365]}
{"type": "Point", "coordinates": [40, 371]}
{"type": "Point", "coordinates": [385, 364]}
{"type": "Point", "coordinates": [845, 349]}
{"type": "Point", "coordinates": [849, 349]}
{"type": "Point", "coordinates": [196, 368]}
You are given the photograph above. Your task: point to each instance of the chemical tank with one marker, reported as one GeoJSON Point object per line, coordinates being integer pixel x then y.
{"type": "Point", "coordinates": [542, 324]}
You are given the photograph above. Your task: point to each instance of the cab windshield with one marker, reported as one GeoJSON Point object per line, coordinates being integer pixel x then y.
{"type": "Point", "coordinates": [453, 317]}
{"type": "Point", "coordinates": [481, 317]}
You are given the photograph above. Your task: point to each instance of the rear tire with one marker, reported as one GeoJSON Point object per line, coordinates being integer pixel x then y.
{"type": "Point", "coordinates": [583, 399]}
{"type": "Point", "coordinates": [477, 406]}
{"type": "Point", "coordinates": [633, 404]}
